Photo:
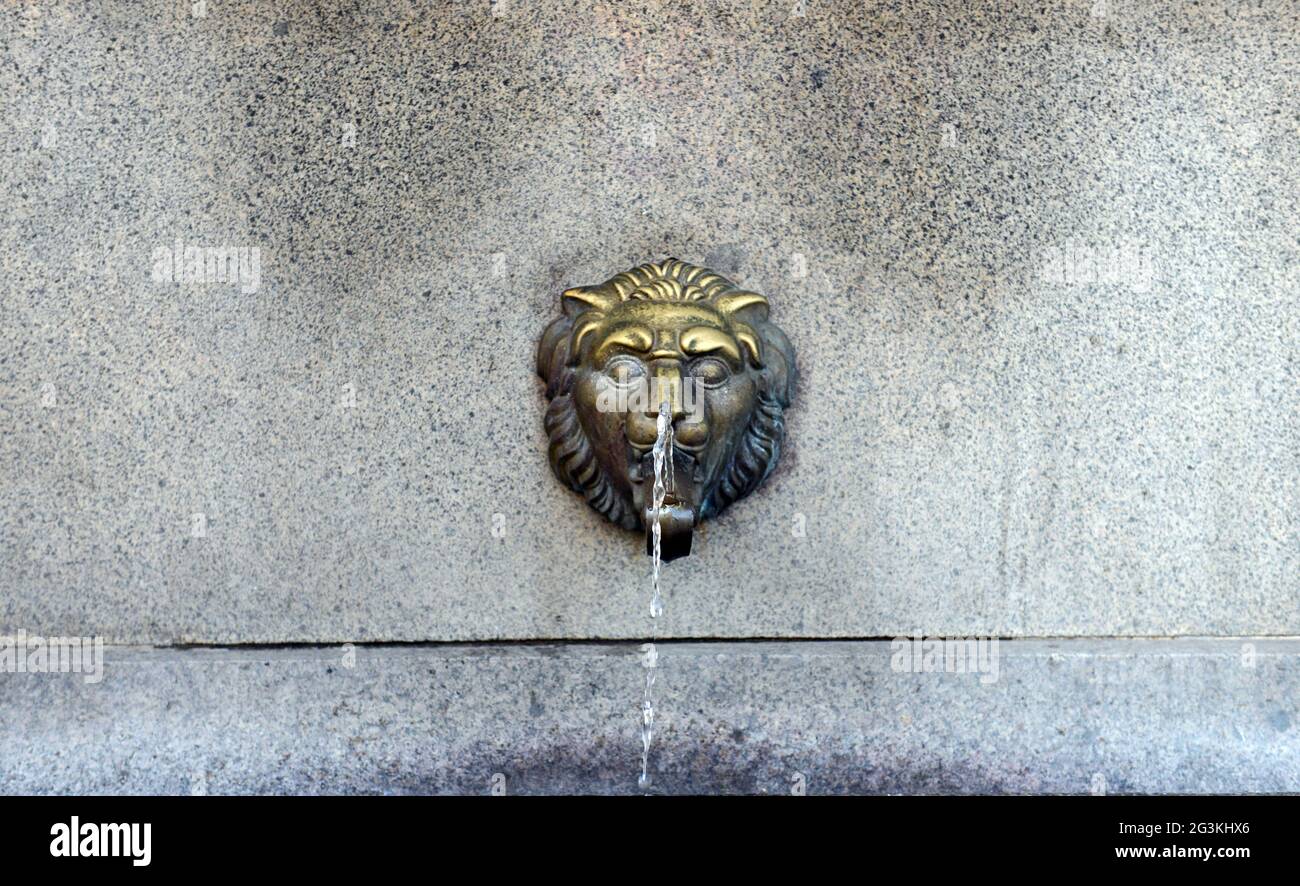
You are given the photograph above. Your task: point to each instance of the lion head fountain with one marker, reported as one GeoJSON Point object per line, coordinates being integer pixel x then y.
{"type": "Point", "coordinates": [665, 332]}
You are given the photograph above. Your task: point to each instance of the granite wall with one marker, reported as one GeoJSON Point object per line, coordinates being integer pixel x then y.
{"type": "Point", "coordinates": [1039, 261]}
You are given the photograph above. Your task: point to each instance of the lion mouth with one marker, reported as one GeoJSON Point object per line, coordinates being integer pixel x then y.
{"type": "Point", "coordinates": [641, 466]}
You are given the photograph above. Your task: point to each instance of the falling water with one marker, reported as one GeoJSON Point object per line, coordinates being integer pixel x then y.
{"type": "Point", "coordinates": [663, 461]}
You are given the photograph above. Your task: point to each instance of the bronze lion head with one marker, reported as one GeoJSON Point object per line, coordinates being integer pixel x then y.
{"type": "Point", "coordinates": [666, 332]}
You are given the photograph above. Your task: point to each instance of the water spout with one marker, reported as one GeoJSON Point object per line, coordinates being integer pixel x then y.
{"type": "Point", "coordinates": [663, 468]}
{"type": "Point", "coordinates": [669, 519]}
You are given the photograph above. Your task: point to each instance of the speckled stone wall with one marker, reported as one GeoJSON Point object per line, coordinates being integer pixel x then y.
{"type": "Point", "coordinates": [1039, 262]}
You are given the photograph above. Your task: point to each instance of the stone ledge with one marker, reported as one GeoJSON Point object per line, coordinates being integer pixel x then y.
{"type": "Point", "coordinates": [1071, 716]}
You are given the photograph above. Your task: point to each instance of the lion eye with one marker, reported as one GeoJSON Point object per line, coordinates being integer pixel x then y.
{"type": "Point", "coordinates": [711, 372]}
{"type": "Point", "coordinates": [625, 371]}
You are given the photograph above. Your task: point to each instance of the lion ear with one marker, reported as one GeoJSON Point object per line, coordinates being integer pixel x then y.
{"type": "Point", "coordinates": [581, 299]}
{"type": "Point", "coordinates": [744, 304]}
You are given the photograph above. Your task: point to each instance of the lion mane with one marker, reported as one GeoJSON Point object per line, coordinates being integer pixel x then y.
{"type": "Point", "coordinates": [768, 350]}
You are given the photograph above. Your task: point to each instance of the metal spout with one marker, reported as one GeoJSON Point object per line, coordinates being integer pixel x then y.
{"type": "Point", "coordinates": [677, 516]}
{"type": "Point", "coordinates": [676, 528]}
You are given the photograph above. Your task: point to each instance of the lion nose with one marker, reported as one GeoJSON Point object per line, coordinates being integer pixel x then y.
{"type": "Point", "coordinates": [667, 387]}
{"type": "Point", "coordinates": [690, 429]}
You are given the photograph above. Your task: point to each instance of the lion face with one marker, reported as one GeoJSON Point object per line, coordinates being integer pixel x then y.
{"type": "Point", "coordinates": [664, 333]}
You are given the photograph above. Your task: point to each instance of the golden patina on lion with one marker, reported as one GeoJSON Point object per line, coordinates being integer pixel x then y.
{"type": "Point", "coordinates": [686, 335]}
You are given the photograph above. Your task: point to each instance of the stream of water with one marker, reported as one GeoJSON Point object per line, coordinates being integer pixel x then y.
{"type": "Point", "coordinates": [663, 464]}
